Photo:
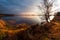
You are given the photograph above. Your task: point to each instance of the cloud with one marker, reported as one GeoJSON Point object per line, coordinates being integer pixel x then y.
{"type": "Point", "coordinates": [16, 6]}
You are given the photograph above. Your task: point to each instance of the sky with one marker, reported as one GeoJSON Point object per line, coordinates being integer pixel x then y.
{"type": "Point", "coordinates": [18, 6]}
{"type": "Point", "coordinates": [25, 7]}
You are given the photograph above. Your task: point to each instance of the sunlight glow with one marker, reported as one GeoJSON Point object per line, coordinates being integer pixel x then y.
{"type": "Point", "coordinates": [35, 14]}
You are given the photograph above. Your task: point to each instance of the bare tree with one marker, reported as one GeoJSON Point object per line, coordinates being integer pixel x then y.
{"type": "Point", "coordinates": [48, 4]}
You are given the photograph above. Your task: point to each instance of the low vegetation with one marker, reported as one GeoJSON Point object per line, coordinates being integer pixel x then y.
{"type": "Point", "coordinates": [48, 31]}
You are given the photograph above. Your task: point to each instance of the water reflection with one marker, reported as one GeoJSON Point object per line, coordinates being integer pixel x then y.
{"type": "Point", "coordinates": [18, 19]}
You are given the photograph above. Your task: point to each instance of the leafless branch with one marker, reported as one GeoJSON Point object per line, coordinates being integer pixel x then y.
{"type": "Point", "coordinates": [48, 4]}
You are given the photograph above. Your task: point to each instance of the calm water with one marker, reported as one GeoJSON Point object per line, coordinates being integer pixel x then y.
{"type": "Point", "coordinates": [18, 19]}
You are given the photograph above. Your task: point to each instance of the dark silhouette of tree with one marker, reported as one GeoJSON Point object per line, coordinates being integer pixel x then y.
{"type": "Point", "coordinates": [46, 8]}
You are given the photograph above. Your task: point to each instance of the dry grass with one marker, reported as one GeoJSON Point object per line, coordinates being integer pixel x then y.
{"type": "Point", "coordinates": [35, 32]}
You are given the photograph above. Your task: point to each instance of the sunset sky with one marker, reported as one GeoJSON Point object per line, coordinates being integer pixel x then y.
{"type": "Point", "coordinates": [23, 7]}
